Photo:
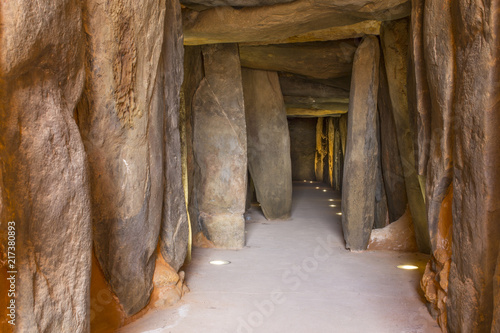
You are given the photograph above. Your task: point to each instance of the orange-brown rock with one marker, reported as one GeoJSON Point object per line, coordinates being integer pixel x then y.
{"type": "Point", "coordinates": [267, 23]}
{"type": "Point", "coordinates": [394, 40]}
{"type": "Point", "coordinates": [44, 177]}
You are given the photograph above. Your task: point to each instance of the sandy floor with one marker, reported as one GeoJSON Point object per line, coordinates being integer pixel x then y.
{"type": "Point", "coordinates": [296, 276]}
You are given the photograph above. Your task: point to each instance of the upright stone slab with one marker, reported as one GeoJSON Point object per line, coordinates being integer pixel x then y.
{"type": "Point", "coordinates": [394, 39]}
{"type": "Point", "coordinates": [360, 165]}
{"type": "Point", "coordinates": [174, 232]}
{"type": "Point", "coordinates": [321, 152]}
{"type": "Point", "coordinates": [338, 159]}
{"type": "Point", "coordinates": [44, 186]}
{"type": "Point", "coordinates": [331, 152]}
{"type": "Point", "coordinates": [220, 148]}
{"type": "Point", "coordinates": [475, 267]}
{"type": "Point", "coordinates": [392, 170]}
{"type": "Point", "coordinates": [268, 142]}
{"type": "Point", "coordinates": [121, 122]}
{"type": "Point", "coordinates": [439, 51]}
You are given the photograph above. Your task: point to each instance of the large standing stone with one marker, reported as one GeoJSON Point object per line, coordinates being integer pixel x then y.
{"type": "Point", "coordinates": [43, 169]}
{"type": "Point", "coordinates": [174, 228]}
{"type": "Point", "coordinates": [193, 74]}
{"type": "Point", "coordinates": [331, 151]}
{"type": "Point", "coordinates": [338, 159]}
{"type": "Point", "coordinates": [302, 147]}
{"type": "Point", "coordinates": [268, 23]}
{"type": "Point", "coordinates": [268, 142]}
{"type": "Point", "coordinates": [360, 165]}
{"type": "Point", "coordinates": [321, 149]}
{"type": "Point", "coordinates": [392, 170]}
{"type": "Point", "coordinates": [474, 284]}
{"type": "Point", "coordinates": [394, 38]}
{"type": "Point", "coordinates": [220, 148]}
{"type": "Point", "coordinates": [121, 122]}
{"type": "Point", "coordinates": [439, 53]}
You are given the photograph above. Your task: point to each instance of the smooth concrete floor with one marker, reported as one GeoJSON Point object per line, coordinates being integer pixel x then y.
{"type": "Point", "coordinates": [295, 276]}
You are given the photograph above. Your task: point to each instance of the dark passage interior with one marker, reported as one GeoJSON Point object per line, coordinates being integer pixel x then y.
{"type": "Point", "coordinates": [249, 166]}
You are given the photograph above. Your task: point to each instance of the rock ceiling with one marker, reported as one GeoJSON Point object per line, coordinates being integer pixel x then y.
{"type": "Point", "coordinates": [311, 43]}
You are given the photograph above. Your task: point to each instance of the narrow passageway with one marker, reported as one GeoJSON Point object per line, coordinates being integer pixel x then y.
{"type": "Point", "coordinates": [296, 276]}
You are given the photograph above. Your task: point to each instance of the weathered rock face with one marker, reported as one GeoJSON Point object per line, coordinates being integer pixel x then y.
{"type": "Point", "coordinates": [360, 165]}
{"type": "Point", "coordinates": [43, 173]}
{"type": "Point", "coordinates": [121, 122]}
{"type": "Point", "coordinates": [235, 3]}
{"type": "Point", "coordinates": [331, 153]}
{"type": "Point", "coordinates": [338, 157]}
{"type": "Point", "coordinates": [268, 142]}
{"type": "Point", "coordinates": [394, 38]}
{"type": "Point", "coordinates": [174, 228]}
{"type": "Point", "coordinates": [193, 74]}
{"type": "Point", "coordinates": [292, 85]}
{"type": "Point", "coordinates": [392, 171]}
{"type": "Point", "coordinates": [229, 25]}
{"type": "Point", "coordinates": [356, 30]}
{"type": "Point", "coordinates": [397, 236]}
{"type": "Point", "coordinates": [321, 149]}
{"type": "Point", "coordinates": [433, 111]}
{"type": "Point", "coordinates": [220, 148]}
{"type": "Point", "coordinates": [302, 147]}
{"type": "Point", "coordinates": [324, 60]}
{"type": "Point", "coordinates": [475, 275]}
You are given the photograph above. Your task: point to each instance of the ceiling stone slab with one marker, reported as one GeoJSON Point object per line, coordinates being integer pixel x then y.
{"type": "Point", "coordinates": [293, 85]}
{"type": "Point", "coordinates": [320, 60]}
{"type": "Point", "coordinates": [304, 112]}
{"type": "Point", "coordinates": [356, 30]}
{"type": "Point", "coordinates": [235, 3]}
{"type": "Point", "coordinates": [316, 103]}
{"type": "Point", "coordinates": [268, 23]}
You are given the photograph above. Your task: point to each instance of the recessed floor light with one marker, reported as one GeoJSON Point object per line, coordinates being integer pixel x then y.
{"type": "Point", "coordinates": [333, 205]}
{"type": "Point", "coordinates": [331, 199]}
{"type": "Point", "coordinates": [324, 190]}
{"type": "Point", "coordinates": [317, 188]}
{"type": "Point", "coordinates": [310, 182]}
{"type": "Point", "coordinates": [339, 213]}
{"type": "Point", "coordinates": [219, 262]}
{"type": "Point", "coordinates": [409, 267]}
{"type": "Point", "coordinates": [305, 181]}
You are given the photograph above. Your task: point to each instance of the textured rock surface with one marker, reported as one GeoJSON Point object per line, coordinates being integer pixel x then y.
{"type": "Point", "coordinates": [314, 113]}
{"type": "Point", "coordinates": [356, 30]}
{"type": "Point", "coordinates": [220, 148]}
{"type": "Point", "coordinates": [302, 147]}
{"type": "Point", "coordinates": [121, 122]}
{"type": "Point", "coordinates": [325, 60]}
{"type": "Point", "coordinates": [475, 274]}
{"type": "Point", "coordinates": [338, 157]}
{"type": "Point", "coordinates": [381, 211]}
{"type": "Point", "coordinates": [193, 74]}
{"type": "Point", "coordinates": [292, 85]}
{"type": "Point", "coordinates": [44, 183]}
{"type": "Point", "coordinates": [331, 153]}
{"type": "Point", "coordinates": [174, 232]}
{"type": "Point", "coordinates": [397, 236]}
{"type": "Point", "coordinates": [392, 171]}
{"type": "Point", "coordinates": [321, 149]}
{"type": "Point", "coordinates": [394, 39]}
{"type": "Point", "coordinates": [228, 25]}
{"type": "Point", "coordinates": [235, 3]}
{"type": "Point", "coordinates": [268, 142]}
{"type": "Point", "coordinates": [435, 137]}
{"type": "Point", "coordinates": [360, 165]}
